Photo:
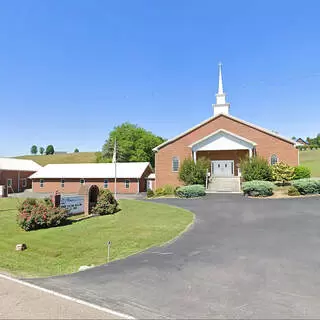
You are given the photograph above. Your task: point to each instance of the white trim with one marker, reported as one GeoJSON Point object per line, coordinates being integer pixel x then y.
{"type": "Point", "coordinates": [41, 186]}
{"type": "Point", "coordinates": [9, 179]}
{"type": "Point", "coordinates": [84, 181]}
{"type": "Point", "coordinates": [104, 183]}
{"type": "Point", "coordinates": [178, 159]}
{"type": "Point", "coordinates": [125, 183]}
{"type": "Point", "coordinates": [227, 116]}
{"type": "Point", "coordinates": [63, 296]}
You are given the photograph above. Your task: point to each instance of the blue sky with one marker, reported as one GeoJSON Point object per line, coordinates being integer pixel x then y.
{"type": "Point", "coordinates": [72, 70]}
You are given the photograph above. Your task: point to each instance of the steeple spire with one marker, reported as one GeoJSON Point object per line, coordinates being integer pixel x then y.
{"type": "Point", "coordinates": [220, 106]}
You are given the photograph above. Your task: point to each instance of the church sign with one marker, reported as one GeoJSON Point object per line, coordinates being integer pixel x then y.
{"type": "Point", "coordinates": [74, 204]}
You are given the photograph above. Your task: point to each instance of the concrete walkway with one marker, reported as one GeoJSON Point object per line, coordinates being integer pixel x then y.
{"type": "Point", "coordinates": [20, 301]}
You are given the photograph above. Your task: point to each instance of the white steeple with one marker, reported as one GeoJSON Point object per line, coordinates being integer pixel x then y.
{"type": "Point", "coordinates": [220, 106]}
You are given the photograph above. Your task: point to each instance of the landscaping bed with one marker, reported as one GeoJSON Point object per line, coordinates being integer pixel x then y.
{"type": "Point", "coordinates": [60, 250]}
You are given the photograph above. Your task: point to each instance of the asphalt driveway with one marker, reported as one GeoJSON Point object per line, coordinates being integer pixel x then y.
{"type": "Point", "coordinates": [242, 258]}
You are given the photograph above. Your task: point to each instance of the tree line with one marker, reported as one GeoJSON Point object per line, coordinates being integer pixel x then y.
{"type": "Point", "coordinates": [48, 150]}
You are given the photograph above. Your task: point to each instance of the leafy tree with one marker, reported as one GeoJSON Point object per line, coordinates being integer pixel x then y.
{"type": "Point", "coordinates": [282, 172]}
{"type": "Point", "coordinates": [255, 168]}
{"type": "Point", "coordinates": [76, 150]}
{"type": "Point", "coordinates": [34, 149]}
{"type": "Point", "coordinates": [133, 144]}
{"type": "Point", "coordinates": [194, 173]}
{"type": "Point", "coordinates": [41, 150]}
{"type": "Point", "coordinates": [294, 138]}
{"type": "Point", "coordinates": [50, 149]}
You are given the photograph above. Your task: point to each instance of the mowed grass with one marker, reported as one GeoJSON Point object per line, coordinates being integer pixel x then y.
{"type": "Point", "coordinates": [80, 157]}
{"type": "Point", "coordinates": [62, 250]}
{"type": "Point", "coordinates": [311, 159]}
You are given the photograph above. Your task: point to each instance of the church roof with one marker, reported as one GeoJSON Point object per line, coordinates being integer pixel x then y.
{"type": "Point", "coordinates": [271, 133]}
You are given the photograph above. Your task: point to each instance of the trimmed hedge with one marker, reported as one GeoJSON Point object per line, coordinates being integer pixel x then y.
{"type": "Point", "coordinates": [301, 172]}
{"type": "Point", "coordinates": [258, 188]}
{"type": "Point", "coordinates": [307, 186]}
{"type": "Point", "coordinates": [255, 169]}
{"type": "Point", "coordinates": [166, 190]}
{"type": "Point", "coordinates": [192, 191]}
{"type": "Point", "coordinates": [293, 191]}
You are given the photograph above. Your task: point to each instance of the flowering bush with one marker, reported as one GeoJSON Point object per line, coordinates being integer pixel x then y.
{"type": "Point", "coordinates": [36, 214]}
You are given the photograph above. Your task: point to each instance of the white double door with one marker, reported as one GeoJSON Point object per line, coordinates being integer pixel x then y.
{"type": "Point", "coordinates": [222, 168]}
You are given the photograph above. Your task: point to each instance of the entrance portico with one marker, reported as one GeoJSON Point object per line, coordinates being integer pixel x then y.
{"type": "Point", "coordinates": [224, 149]}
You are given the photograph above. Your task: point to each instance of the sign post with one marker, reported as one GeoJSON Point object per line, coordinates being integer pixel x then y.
{"type": "Point", "coordinates": [109, 245]}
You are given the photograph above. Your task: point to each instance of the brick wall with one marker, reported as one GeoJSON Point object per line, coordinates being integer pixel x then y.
{"type": "Point", "coordinates": [267, 145]}
{"type": "Point", "coordinates": [14, 175]}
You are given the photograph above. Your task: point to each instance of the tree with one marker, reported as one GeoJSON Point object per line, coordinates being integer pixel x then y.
{"type": "Point", "coordinates": [191, 172]}
{"type": "Point", "coordinates": [41, 150]}
{"type": "Point", "coordinates": [34, 149]}
{"type": "Point", "coordinates": [294, 138]}
{"type": "Point", "coordinates": [255, 168]}
{"type": "Point", "coordinates": [76, 150]}
{"type": "Point", "coordinates": [282, 172]}
{"type": "Point", "coordinates": [133, 144]}
{"type": "Point", "coordinates": [50, 149]}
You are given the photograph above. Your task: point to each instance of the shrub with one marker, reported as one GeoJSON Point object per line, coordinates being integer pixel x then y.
{"type": "Point", "coordinates": [191, 191]}
{"type": "Point", "coordinates": [293, 191]}
{"type": "Point", "coordinates": [258, 188]}
{"type": "Point", "coordinates": [307, 186]}
{"type": "Point", "coordinates": [36, 214]}
{"type": "Point", "coordinates": [255, 168]}
{"type": "Point", "coordinates": [106, 203]}
{"type": "Point", "coordinates": [282, 172]}
{"type": "Point", "coordinates": [194, 172]}
{"type": "Point", "coordinates": [301, 172]}
{"type": "Point", "coordinates": [166, 190]}
{"type": "Point", "coordinates": [150, 193]}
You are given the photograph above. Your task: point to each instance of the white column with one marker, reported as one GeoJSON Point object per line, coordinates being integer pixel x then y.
{"type": "Point", "coordinates": [194, 153]}
{"type": "Point", "coordinates": [250, 153]}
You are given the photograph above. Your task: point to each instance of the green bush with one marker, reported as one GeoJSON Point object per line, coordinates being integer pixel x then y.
{"type": "Point", "coordinates": [258, 188]}
{"type": "Point", "coordinates": [301, 172]}
{"type": "Point", "coordinates": [255, 168]}
{"type": "Point", "coordinates": [150, 193]}
{"type": "Point", "coordinates": [307, 186]}
{"type": "Point", "coordinates": [191, 191]}
{"type": "Point", "coordinates": [194, 173]}
{"type": "Point", "coordinates": [293, 191]}
{"type": "Point", "coordinates": [282, 172]}
{"type": "Point", "coordinates": [166, 190]}
{"type": "Point", "coordinates": [106, 203]}
{"type": "Point", "coordinates": [37, 214]}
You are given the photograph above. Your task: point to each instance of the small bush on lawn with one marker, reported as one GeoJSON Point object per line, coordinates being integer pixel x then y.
{"type": "Point", "coordinates": [293, 191]}
{"type": "Point", "coordinates": [194, 173]}
{"type": "Point", "coordinates": [255, 168]}
{"type": "Point", "coordinates": [301, 172]}
{"type": "Point", "coordinates": [258, 188]}
{"type": "Point", "coordinates": [150, 193]}
{"type": "Point", "coordinates": [37, 214]}
{"type": "Point", "coordinates": [106, 204]}
{"type": "Point", "coordinates": [166, 190]}
{"type": "Point", "coordinates": [282, 172]}
{"type": "Point", "coordinates": [192, 191]}
{"type": "Point", "coordinates": [307, 186]}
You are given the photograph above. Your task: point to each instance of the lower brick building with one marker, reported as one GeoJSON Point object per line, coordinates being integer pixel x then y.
{"type": "Point", "coordinates": [14, 173]}
{"type": "Point", "coordinates": [128, 177]}
{"type": "Point", "coordinates": [224, 140]}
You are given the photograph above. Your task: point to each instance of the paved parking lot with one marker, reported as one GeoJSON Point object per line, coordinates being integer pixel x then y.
{"type": "Point", "coordinates": [242, 258]}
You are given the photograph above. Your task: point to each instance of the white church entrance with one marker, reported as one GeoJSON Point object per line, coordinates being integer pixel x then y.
{"type": "Point", "coordinates": [222, 168]}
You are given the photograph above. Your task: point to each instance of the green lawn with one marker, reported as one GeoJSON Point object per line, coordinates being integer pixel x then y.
{"type": "Point", "coordinates": [311, 159]}
{"type": "Point", "coordinates": [61, 250]}
{"type": "Point", "coordinates": [80, 157]}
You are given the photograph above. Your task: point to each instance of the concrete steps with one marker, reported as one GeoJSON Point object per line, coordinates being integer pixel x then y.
{"type": "Point", "coordinates": [224, 184]}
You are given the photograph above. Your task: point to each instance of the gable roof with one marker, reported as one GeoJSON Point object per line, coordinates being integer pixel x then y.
{"type": "Point", "coordinates": [91, 170]}
{"type": "Point", "coordinates": [18, 165]}
{"type": "Point", "coordinates": [227, 116]}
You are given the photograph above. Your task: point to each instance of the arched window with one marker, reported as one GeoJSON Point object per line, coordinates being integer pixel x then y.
{"type": "Point", "coordinates": [175, 164]}
{"type": "Point", "coordinates": [274, 159]}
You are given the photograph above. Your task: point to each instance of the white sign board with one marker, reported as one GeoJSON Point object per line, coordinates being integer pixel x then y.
{"type": "Point", "coordinates": [74, 204]}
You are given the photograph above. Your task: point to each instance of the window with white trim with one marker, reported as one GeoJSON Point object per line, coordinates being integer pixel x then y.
{"type": "Point", "coordinates": [175, 164]}
{"type": "Point", "coordinates": [82, 181]}
{"type": "Point", "coordinates": [62, 183]}
{"type": "Point", "coordinates": [126, 184]}
{"type": "Point", "coordinates": [41, 183]}
{"type": "Point", "coordinates": [105, 183]}
{"type": "Point", "coordinates": [9, 182]}
{"type": "Point", "coordinates": [274, 159]}
{"type": "Point", "coordinates": [24, 183]}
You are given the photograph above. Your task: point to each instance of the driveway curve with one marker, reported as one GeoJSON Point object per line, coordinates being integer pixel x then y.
{"type": "Point", "coordinates": [242, 258]}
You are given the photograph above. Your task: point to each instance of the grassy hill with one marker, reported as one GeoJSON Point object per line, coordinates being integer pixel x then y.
{"type": "Point", "coordinates": [80, 157]}
{"type": "Point", "coordinates": [311, 159]}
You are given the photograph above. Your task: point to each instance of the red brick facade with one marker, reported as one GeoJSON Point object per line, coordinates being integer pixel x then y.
{"type": "Point", "coordinates": [73, 185]}
{"type": "Point", "coordinates": [266, 145]}
{"type": "Point", "coordinates": [20, 180]}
